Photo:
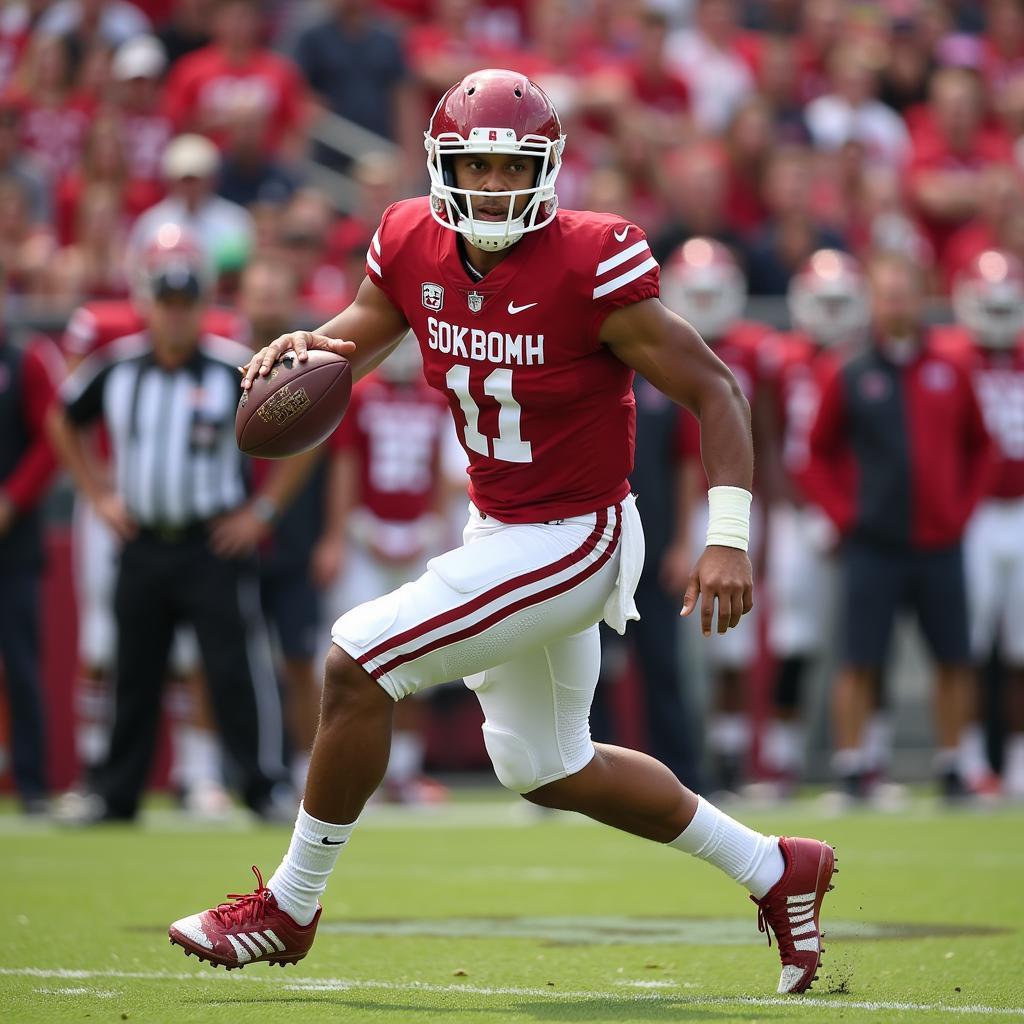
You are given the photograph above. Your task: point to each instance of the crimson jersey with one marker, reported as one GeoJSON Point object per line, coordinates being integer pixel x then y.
{"type": "Point", "coordinates": [544, 411]}
{"type": "Point", "coordinates": [998, 377]}
{"type": "Point", "coordinates": [396, 432]}
{"type": "Point", "coordinates": [795, 369]}
{"type": "Point", "coordinates": [96, 324]}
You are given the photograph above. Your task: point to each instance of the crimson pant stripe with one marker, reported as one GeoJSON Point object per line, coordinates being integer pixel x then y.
{"type": "Point", "coordinates": [445, 618]}
{"type": "Point", "coordinates": [504, 613]}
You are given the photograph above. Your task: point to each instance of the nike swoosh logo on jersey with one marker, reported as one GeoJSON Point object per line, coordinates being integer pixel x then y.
{"type": "Point", "coordinates": [622, 237]}
{"type": "Point", "coordinates": [331, 842]}
{"type": "Point", "coordinates": [513, 308]}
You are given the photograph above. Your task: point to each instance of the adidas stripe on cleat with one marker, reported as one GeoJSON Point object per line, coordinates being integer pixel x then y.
{"type": "Point", "coordinates": [249, 929]}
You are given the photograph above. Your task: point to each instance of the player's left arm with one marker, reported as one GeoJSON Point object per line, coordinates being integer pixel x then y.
{"type": "Point", "coordinates": [670, 354]}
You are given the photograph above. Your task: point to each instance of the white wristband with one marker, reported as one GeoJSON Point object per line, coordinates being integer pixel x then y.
{"type": "Point", "coordinates": [729, 517]}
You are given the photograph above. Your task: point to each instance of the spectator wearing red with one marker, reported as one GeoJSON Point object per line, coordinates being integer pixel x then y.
{"type": "Point", "coordinates": [136, 72]}
{"type": "Point", "coordinates": [17, 22]}
{"type": "Point", "coordinates": [29, 377]}
{"type": "Point", "coordinates": [324, 285]}
{"type": "Point", "coordinates": [661, 94]}
{"type": "Point", "coordinates": [206, 89]}
{"type": "Point", "coordinates": [55, 119]}
{"type": "Point", "coordinates": [749, 141]}
{"type": "Point", "coordinates": [103, 163]}
{"type": "Point", "coordinates": [1002, 45]}
{"type": "Point", "coordinates": [951, 148]}
{"type": "Point", "coordinates": [998, 225]}
{"type": "Point", "coordinates": [906, 415]}
{"type": "Point", "coordinates": [695, 188]}
{"type": "Point", "coordinates": [708, 56]}
{"type": "Point", "coordinates": [379, 179]}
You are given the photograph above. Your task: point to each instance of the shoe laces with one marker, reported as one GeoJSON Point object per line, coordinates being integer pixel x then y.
{"type": "Point", "coordinates": [244, 907]}
{"type": "Point", "coordinates": [767, 925]}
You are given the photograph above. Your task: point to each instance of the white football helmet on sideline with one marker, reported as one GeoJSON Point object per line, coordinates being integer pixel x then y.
{"type": "Point", "coordinates": [828, 299]}
{"type": "Point", "coordinates": [493, 111]}
{"type": "Point", "coordinates": [703, 283]}
{"type": "Point", "coordinates": [988, 298]}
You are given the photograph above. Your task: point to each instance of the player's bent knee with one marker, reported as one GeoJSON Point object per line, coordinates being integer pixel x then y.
{"type": "Point", "coordinates": [513, 761]}
{"type": "Point", "coordinates": [347, 682]}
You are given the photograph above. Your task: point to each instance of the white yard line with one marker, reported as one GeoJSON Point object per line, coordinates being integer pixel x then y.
{"type": "Point", "coordinates": [305, 984]}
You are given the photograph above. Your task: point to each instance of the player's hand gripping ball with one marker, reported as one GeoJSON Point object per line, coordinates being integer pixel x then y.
{"type": "Point", "coordinates": [295, 406]}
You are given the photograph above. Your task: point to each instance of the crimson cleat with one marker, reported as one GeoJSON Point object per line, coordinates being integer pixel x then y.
{"type": "Point", "coordinates": [249, 929]}
{"type": "Point", "coordinates": [791, 907]}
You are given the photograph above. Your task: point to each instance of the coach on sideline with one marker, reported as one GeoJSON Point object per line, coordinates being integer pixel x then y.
{"type": "Point", "coordinates": [167, 397]}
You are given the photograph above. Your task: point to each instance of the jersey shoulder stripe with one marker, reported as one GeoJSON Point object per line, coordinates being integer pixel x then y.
{"type": "Point", "coordinates": [625, 278]}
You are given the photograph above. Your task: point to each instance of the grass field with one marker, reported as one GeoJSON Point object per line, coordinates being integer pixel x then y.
{"type": "Point", "coordinates": [480, 912]}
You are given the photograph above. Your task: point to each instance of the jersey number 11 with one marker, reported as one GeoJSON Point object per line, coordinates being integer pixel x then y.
{"type": "Point", "coordinates": [508, 446]}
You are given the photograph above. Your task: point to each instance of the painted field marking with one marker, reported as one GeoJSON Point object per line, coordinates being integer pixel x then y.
{"type": "Point", "coordinates": [356, 984]}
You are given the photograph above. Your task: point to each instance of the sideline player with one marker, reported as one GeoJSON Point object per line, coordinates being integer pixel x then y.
{"type": "Point", "coordinates": [705, 286]}
{"type": "Point", "coordinates": [988, 299]}
{"type": "Point", "coordinates": [828, 305]}
{"type": "Point", "coordinates": [531, 321]}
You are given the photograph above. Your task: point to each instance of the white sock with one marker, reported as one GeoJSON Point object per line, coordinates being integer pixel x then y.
{"type": "Point", "coordinates": [300, 879]}
{"type": "Point", "coordinates": [406, 760]}
{"type": "Point", "coordinates": [729, 734]}
{"type": "Point", "coordinates": [877, 742]}
{"type": "Point", "coordinates": [784, 747]}
{"type": "Point", "coordinates": [974, 764]}
{"type": "Point", "coordinates": [196, 756]}
{"type": "Point", "coordinates": [746, 856]}
{"type": "Point", "coordinates": [1013, 764]}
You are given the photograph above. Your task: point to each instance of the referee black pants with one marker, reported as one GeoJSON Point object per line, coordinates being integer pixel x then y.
{"type": "Point", "coordinates": [160, 584]}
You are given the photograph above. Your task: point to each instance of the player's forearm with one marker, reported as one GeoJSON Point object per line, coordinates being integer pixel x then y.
{"type": "Point", "coordinates": [67, 443]}
{"type": "Point", "coordinates": [726, 442]}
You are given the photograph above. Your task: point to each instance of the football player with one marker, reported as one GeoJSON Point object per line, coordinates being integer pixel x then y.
{"type": "Point", "coordinates": [988, 300]}
{"type": "Point", "coordinates": [530, 321]}
{"type": "Point", "coordinates": [704, 285]}
{"type": "Point", "coordinates": [830, 314]}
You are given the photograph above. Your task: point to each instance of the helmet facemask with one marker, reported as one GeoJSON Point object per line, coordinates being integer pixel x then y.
{"type": "Point", "coordinates": [458, 208]}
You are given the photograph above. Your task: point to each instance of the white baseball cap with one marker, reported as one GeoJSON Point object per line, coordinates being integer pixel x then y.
{"type": "Point", "coordinates": [190, 156]}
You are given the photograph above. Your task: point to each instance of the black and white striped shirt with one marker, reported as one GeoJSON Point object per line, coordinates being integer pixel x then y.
{"type": "Point", "coordinates": [172, 432]}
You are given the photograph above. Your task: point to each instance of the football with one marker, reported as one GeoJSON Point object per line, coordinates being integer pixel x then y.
{"type": "Point", "coordinates": [295, 406]}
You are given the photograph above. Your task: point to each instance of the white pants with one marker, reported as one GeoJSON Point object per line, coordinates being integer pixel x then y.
{"type": "Point", "coordinates": [514, 612]}
{"type": "Point", "coordinates": [96, 552]}
{"type": "Point", "coordinates": [994, 564]}
{"type": "Point", "coordinates": [800, 582]}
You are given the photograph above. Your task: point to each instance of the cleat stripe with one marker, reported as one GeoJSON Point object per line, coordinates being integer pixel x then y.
{"type": "Point", "coordinates": [803, 929]}
{"type": "Point", "coordinates": [803, 915]}
{"type": "Point", "coordinates": [807, 897]}
{"type": "Point", "coordinates": [241, 952]}
{"type": "Point", "coordinates": [265, 943]}
{"type": "Point", "coordinates": [247, 939]}
{"type": "Point", "coordinates": [810, 944]}
{"type": "Point", "coordinates": [269, 932]}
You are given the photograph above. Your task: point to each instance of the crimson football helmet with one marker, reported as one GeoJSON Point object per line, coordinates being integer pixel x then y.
{"type": "Point", "coordinates": [493, 111]}
{"type": "Point", "coordinates": [828, 298]}
{"type": "Point", "coordinates": [988, 298]}
{"type": "Point", "coordinates": [703, 283]}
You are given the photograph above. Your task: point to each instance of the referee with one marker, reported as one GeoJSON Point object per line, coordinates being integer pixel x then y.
{"type": "Point", "coordinates": [179, 502]}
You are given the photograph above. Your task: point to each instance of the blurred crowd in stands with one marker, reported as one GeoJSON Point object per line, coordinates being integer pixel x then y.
{"type": "Point", "coordinates": [766, 131]}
